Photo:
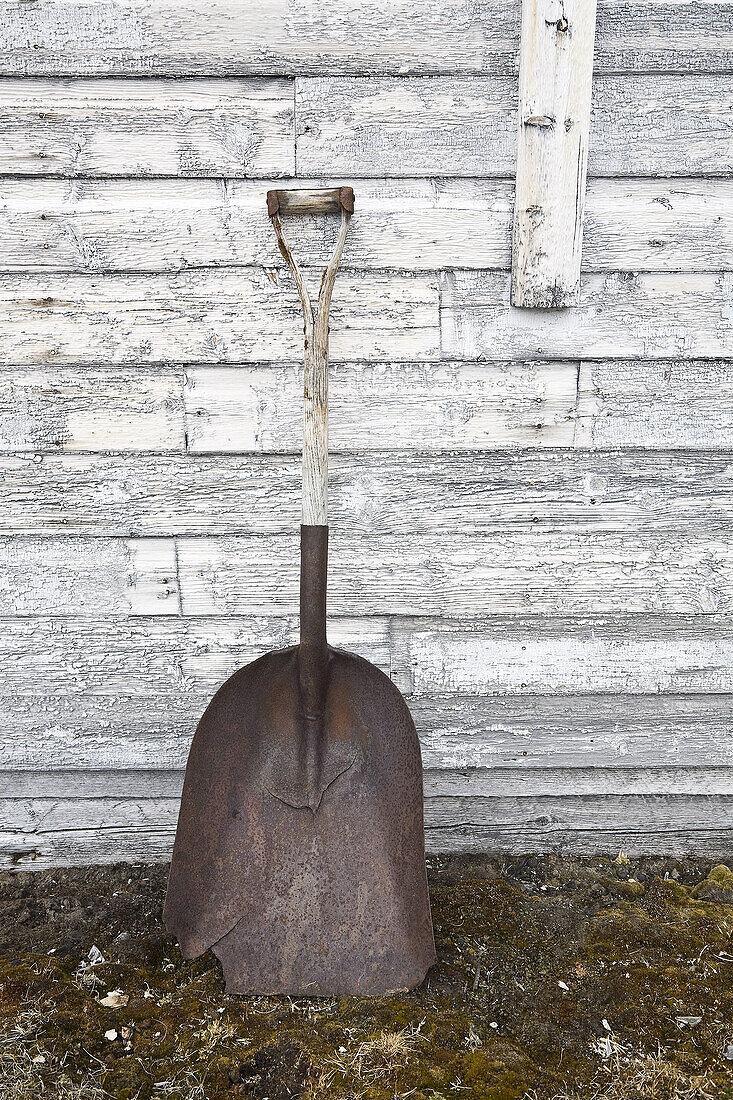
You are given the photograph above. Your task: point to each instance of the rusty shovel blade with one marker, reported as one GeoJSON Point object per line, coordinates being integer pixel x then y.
{"type": "Point", "coordinates": [299, 856]}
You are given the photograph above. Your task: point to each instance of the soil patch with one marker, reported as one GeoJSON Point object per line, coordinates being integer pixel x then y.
{"type": "Point", "coordinates": [558, 979]}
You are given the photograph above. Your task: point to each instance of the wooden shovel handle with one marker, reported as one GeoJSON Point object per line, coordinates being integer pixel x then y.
{"type": "Point", "coordinates": [324, 200]}
{"type": "Point", "coordinates": [315, 320]}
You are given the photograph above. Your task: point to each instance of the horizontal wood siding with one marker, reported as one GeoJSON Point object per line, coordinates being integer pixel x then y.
{"type": "Point", "coordinates": [209, 316]}
{"type": "Point", "coordinates": [417, 224]}
{"type": "Point", "coordinates": [440, 406]}
{"type": "Point", "coordinates": [648, 316]}
{"type": "Point", "coordinates": [150, 37]}
{"type": "Point", "coordinates": [146, 128]}
{"type": "Point", "coordinates": [647, 125]}
{"type": "Point", "coordinates": [19, 789]}
{"type": "Point", "coordinates": [631, 655]}
{"type": "Point", "coordinates": [635, 493]}
{"type": "Point", "coordinates": [539, 572]}
{"type": "Point", "coordinates": [155, 656]}
{"type": "Point", "coordinates": [40, 833]}
{"type": "Point", "coordinates": [620, 405]}
{"type": "Point", "coordinates": [531, 513]}
{"type": "Point", "coordinates": [220, 317]}
{"type": "Point", "coordinates": [551, 738]}
{"type": "Point", "coordinates": [91, 409]}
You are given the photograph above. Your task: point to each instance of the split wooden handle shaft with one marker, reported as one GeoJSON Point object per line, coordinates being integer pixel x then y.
{"type": "Point", "coordinates": [337, 200]}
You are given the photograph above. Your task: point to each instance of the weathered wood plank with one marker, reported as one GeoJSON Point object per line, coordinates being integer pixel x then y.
{"type": "Point", "coordinates": [212, 316]}
{"type": "Point", "coordinates": [544, 573]}
{"type": "Point", "coordinates": [619, 406]}
{"type": "Point", "coordinates": [137, 730]}
{"type": "Point", "coordinates": [658, 225]}
{"type": "Point", "coordinates": [150, 37]}
{"type": "Point", "coordinates": [461, 407]}
{"type": "Point", "coordinates": [638, 654]}
{"type": "Point", "coordinates": [561, 731]}
{"type": "Point", "coordinates": [147, 128]}
{"type": "Point", "coordinates": [174, 224]}
{"type": "Point", "coordinates": [137, 224]}
{"type": "Point", "coordinates": [649, 316]}
{"type": "Point", "coordinates": [29, 786]}
{"type": "Point", "coordinates": [45, 799]}
{"type": "Point", "coordinates": [656, 814]}
{"type": "Point", "coordinates": [374, 408]}
{"type": "Point", "coordinates": [77, 847]}
{"type": "Point", "coordinates": [493, 783]}
{"type": "Point", "coordinates": [155, 655]}
{"type": "Point", "coordinates": [93, 409]}
{"type": "Point", "coordinates": [81, 576]}
{"type": "Point", "coordinates": [647, 125]}
{"type": "Point", "coordinates": [153, 731]}
{"type": "Point", "coordinates": [393, 405]}
{"type": "Point", "coordinates": [630, 655]}
{"type": "Point", "coordinates": [555, 79]}
{"type": "Point", "coordinates": [32, 815]}
{"type": "Point", "coordinates": [637, 824]}
{"type": "Point", "coordinates": [486, 493]}
{"type": "Point", "coordinates": [466, 126]}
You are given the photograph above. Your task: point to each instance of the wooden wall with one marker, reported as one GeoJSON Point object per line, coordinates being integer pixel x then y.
{"type": "Point", "coordinates": [531, 511]}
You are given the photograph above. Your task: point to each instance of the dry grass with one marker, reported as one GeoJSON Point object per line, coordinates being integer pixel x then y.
{"type": "Point", "coordinates": [372, 1061]}
{"type": "Point", "coordinates": [647, 1077]}
{"type": "Point", "coordinates": [186, 1084]}
{"type": "Point", "coordinates": [24, 1058]}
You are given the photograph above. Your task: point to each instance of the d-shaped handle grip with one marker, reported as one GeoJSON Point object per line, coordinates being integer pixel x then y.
{"type": "Point", "coordinates": [324, 200]}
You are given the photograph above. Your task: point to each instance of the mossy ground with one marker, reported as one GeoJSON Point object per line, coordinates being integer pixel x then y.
{"type": "Point", "coordinates": [558, 978]}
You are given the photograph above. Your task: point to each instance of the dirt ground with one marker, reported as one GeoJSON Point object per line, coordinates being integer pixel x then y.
{"type": "Point", "coordinates": [557, 978]}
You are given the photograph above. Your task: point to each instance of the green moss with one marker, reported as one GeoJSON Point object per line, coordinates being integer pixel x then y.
{"type": "Point", "coordinates": [721, 876]}
{"type": "Point", "coordinates": [514, 1009]}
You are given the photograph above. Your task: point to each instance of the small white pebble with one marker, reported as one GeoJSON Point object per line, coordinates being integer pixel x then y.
{"type": "Point", "coordinates": [565, 988]}
{"type": "Point", "coordinates": [493, 1024]}
{"type": "Point", "coordinates": [342, 1050]}
{"type": "Point", "coordinates": [111, 1035]}
{"type": "Point", "coordinates": [115, 999]}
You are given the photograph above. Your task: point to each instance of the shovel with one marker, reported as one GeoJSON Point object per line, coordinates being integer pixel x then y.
{"type": "Point", "coordinates": [299, 856]}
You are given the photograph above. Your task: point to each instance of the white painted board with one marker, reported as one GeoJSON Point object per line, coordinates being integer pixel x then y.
{"type": "Point", "coordinates": [553, 129]}
{"type": "Point", "coordinates": [162, 37]}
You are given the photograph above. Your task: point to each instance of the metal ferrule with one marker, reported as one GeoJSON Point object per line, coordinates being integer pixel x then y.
{"type": "Point", "coordinates": [313, 649]}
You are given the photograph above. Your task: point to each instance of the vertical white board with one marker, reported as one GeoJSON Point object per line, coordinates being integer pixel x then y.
{"type": "Point", "coordinates": [555, 77]}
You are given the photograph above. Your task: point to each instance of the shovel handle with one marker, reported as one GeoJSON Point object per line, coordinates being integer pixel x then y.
{"type": "Point", "coordinates": [337, 200]}
{"type": "Point", "coordinates": [324, 200]}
